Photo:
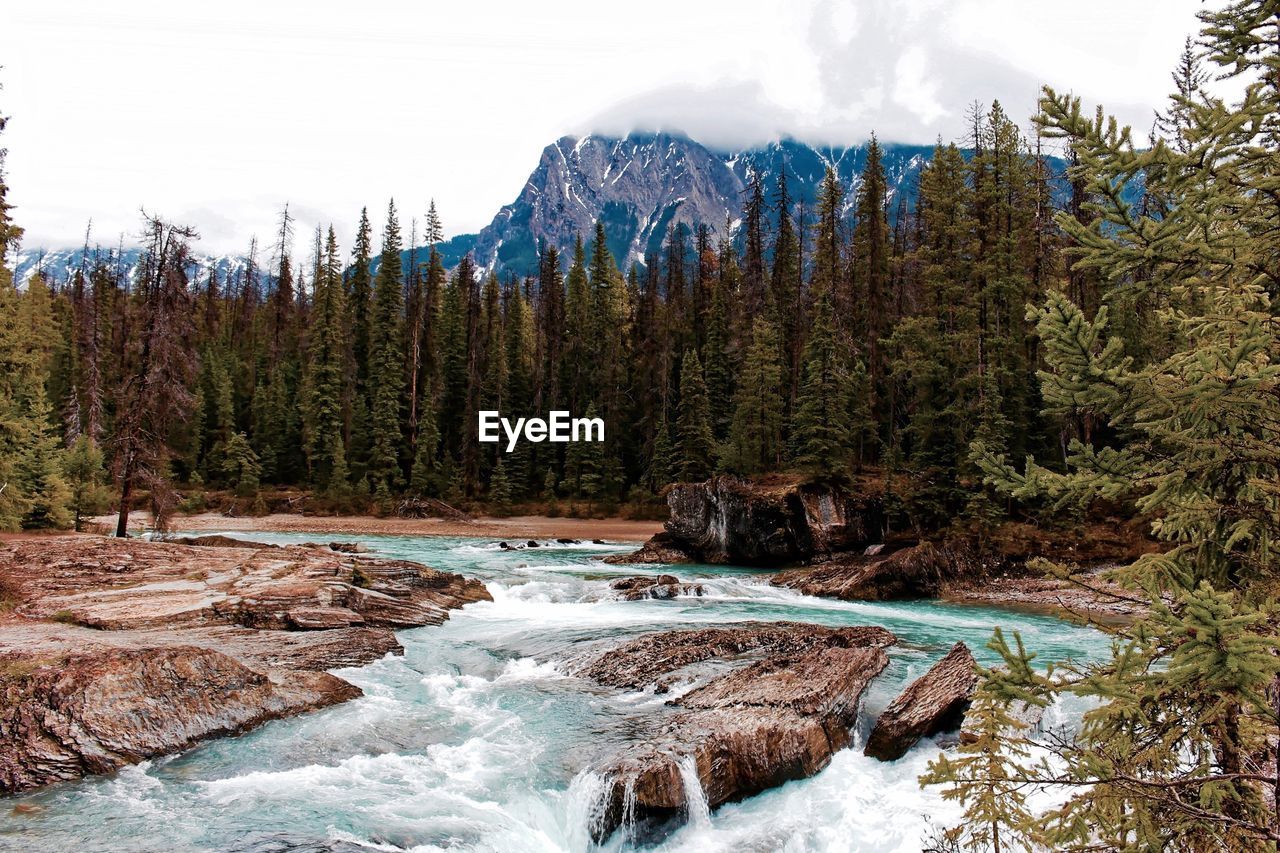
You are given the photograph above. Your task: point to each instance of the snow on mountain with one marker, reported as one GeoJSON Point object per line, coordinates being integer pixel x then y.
{"type": "Point", "coordinates": [642, 184]}
{"type": "Point", "coordinates": [60, 265]}
{"type": "Point", "coordinates": [638, 185]}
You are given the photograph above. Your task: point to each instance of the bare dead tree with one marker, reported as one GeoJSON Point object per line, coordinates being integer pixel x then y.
{"type": "Point", "coordinates": [154, 392]}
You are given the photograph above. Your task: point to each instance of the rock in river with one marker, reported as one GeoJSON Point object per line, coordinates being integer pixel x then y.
{"type": "Point", "coordinates": [767, 522]}
{"type": "Point", "coordinates": [919, 571]}
{"type": "Point", "coordinates": [935, 702]}
{"type": "Point", "coordinates": [779, 717]}
{"type": "Point", "coordinates": [641, 587]}
{"type": "Point", "coordinates": [661, 548]}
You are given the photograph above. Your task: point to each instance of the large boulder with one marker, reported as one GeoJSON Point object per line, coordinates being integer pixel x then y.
{"type": "Point", "coordinates": [919, 571]}
{"type": "Point", "coordinates": [662, 658]}
{"type": "Point", "coordinates": [642, 587]}
{"type": "Point", "coordinates": [778, 718]}
{"type": "Point", "coordinates": [933, 703]}
{"type": "Point", "coordinates": [768, 522]}
{"type": "Point", "coordinates": [97, 711]}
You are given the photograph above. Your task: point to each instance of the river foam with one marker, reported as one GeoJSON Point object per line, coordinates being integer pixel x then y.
{"type": "Point", "coordinates": [478, 739]}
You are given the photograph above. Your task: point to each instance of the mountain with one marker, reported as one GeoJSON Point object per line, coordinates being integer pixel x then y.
{"type": "Point", "coordinates": [640, 185]}
{"type": "Point", "coordinates": [59, 265]}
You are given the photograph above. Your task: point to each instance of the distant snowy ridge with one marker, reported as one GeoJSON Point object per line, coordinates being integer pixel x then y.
{"type": "Point", "coordinates": [60, 265]}
{"type": "Point", "coordinates": [638, 185]}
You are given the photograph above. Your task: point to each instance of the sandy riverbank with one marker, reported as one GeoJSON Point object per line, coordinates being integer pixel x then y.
{"type": "Point", "coordinates": [518, 527]}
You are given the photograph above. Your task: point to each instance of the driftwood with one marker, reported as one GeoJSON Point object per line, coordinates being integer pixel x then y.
{"type": "Point", "coordinates": [429, 508]}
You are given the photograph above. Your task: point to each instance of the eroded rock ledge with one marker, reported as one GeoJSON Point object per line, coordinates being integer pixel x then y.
{"type": "Point", "coordinates": [768, 522]}
{"type": "Point", "coordinates": [779, 715]}
{"type": "Point", "coordinates": [112, 651]}
{"type": "Point", "coordinates": [919, 571]}
{"type": "Point", "coordinates": [935, 702]}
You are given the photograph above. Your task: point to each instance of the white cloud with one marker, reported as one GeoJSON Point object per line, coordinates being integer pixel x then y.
{"type": "Point", "coordinates": [218, 115]}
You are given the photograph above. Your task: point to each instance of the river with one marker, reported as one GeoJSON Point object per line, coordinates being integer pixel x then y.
{"type": "Point", "coordinates": [476, 739]}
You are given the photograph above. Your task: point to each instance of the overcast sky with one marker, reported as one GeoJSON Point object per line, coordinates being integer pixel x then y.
{"type": "Point", "coordinates": [215, 115]}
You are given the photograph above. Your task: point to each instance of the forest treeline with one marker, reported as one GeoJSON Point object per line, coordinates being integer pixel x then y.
{"type": "Point", "coordinates": [879, 334]}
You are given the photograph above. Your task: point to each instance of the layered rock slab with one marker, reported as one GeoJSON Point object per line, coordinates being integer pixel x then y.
{"type": "Point", "coordinates": [93, 712]}
{"type": "Point", "coordinates": [113, 650]}
{"type": "Point", "coordinates": [918, 571]}
{"type": "Point", "coordinates": [778, 718]}
{"type": "Point", "coordinates": [933, 703]}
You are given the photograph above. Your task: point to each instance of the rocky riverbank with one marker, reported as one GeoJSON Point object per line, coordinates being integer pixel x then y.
{"type": "Point", "coordinates": [113, 651]}
{"type": "Point", "coordinates": [831, 543]}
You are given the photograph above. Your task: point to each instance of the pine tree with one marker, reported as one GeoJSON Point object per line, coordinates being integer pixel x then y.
{"type": "Point", "coordinates": [430, 379]}
{"type": "Point", "coordinates": [1168, 758]}
{"type": "Point", "coordinates": [551, 321]}
{"type": "Point", "coordinates": [870, 278]}
{"type": "Point", "coordinates": [610, 353]}
{"type": "Point", "coordinates": [753, 267]}
{"type": "Point", "coordinates": [471, 458]}
{"type": "Point", "coordinates": [326, 355]}
{"type": "Point", "coordinates": [704, 280]}
{"type": "Point", "coordinates": [828, 248]}
{"type": "Point", "coordinates": [386, 367]}
{"type": "Point", "coordinates": [519, 338]}
{"type": "Point", "coordinates": [359, 294]}
{"type": "Point", "coordinates": [220, 405]}
{"type": "Point", "coordinates": [822, 439]}
{"type": "Point", "coordinates": [996, 814]}
{"type": "Point", "coordinates": [785, 289]}
{"type": "Point", "coordinates": [588, 463]}
{"type": "Point", "coordinates": [579, 368]}
{"type": "Point", "coordinates": [932, 356]}
{"type": "Point", "coordinates": [493, 367]}
{"type": "Point", "coordinates": [240, 466]}
{"type": "Point", "coordinates": [1001, 172]}
{"type": "Point", "coordinates": [500, 486]}
{"type": "Point", "coordinates": [659, 472]}
{"type": "Point", "coordinates": [84, 472]}
{"type": "Point", "coordinates": [283, 335]}
{"type": "Point", "coordinates": [427, 477]}
{"type": "Point", "coordinates": [39, 469]}
{"type": "Point", "coordinates": [755, 435]}
{"type": "Point", "coordinates": [453, 357]}
{"type": "Point", "coordinates": [155, 372]}
{"type": "Point", "coordinates": [32, 492]}
{"type": "Point", "coordinates": [695, 449]}
{"type": "Point", "coordinates": [716, 365]}
{"type": "Point", "coordinates": [675, 273]}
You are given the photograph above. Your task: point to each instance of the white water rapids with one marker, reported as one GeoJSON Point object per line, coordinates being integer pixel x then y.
{"type": "Point", "coordinates": [477, 739]}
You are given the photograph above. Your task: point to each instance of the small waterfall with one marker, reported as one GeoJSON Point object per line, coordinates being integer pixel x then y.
{"type": "Point", "coordinates": [587, 800]}
{"type": "Point", "coordinates": [628, 825]}
{"type": "Point", "coordinates": [697, 812]}
{"type": "Point", "coordinates": [590, 798]}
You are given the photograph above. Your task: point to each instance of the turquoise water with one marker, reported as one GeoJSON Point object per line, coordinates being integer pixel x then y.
{"type": "Point", "coordinates": [475, 739]}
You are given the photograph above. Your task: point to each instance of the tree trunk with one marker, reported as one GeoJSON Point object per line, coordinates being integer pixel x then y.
{"type": "Point", "coordinates": [126, 492]}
